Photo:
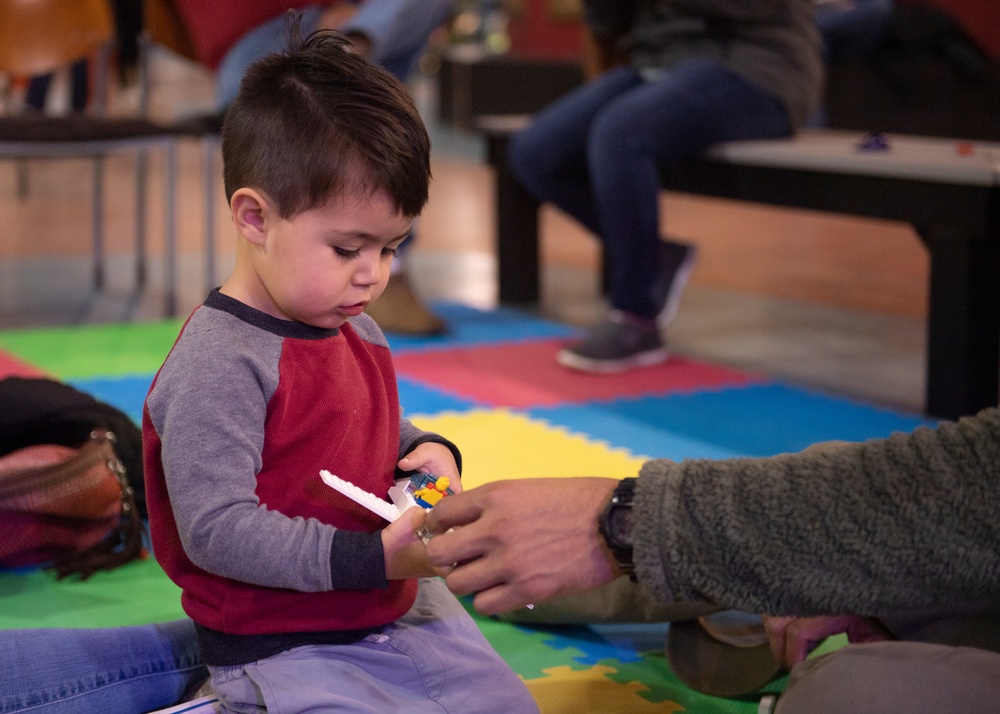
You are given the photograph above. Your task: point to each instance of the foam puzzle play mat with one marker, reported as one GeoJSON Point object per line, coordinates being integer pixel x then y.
{"type": "Point", "coordinates": [491, 385]}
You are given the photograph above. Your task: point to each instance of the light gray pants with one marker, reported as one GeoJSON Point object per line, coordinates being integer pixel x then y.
{"type": "Point", "coordinates": [432, 660]}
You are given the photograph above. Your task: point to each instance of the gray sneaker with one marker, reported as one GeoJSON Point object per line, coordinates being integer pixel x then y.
{"type": "Point", "coordinates": [676, 263]}
{"type": "Point", "coordinates": [619, 343]}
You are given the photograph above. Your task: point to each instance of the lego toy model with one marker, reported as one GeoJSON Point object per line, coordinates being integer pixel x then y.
{"type": "Point", "coordinates": [373, 503]}
{"type": "Point", "coordinates": [432, 491]}
{"type": "Point", "coordinates": [420, 489]}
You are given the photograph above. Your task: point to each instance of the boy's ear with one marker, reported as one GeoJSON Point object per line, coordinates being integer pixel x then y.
{"type": "Point", "coordinates": [250, 212]}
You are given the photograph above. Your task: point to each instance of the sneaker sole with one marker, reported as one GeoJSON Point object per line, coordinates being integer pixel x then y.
{"type": "Point", "coordinates": [650, 358]}
{"type": "Point", "coordinates": [673, 304]}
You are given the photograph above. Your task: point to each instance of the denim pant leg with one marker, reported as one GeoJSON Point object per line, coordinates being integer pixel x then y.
{"type": "Point", "coordinates": [399, 30]}
{"type": "Point", "coordinates": [120, 669]}
{"type": "Point", "coordinates": [549, 157]}
{"type": "Point", "coordinates": [258, 42]}
{"type": "Point", "coordinates": [853, 31]}
{"type": "Point", "coordinates": [678, 114]}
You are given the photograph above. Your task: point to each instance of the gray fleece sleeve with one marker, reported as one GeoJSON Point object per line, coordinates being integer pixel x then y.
{"type": "Point", "coordinates": [865, 528]}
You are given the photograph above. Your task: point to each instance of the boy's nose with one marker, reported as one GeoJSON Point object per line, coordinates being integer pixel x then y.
{"type": "Point", "coordinates": [370, 272]}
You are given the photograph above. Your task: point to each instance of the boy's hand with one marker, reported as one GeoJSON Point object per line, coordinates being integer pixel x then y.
{"type": "Point", "coordinates": [405, 553]}
{"type": "Point", "coordinates": [433, 458]}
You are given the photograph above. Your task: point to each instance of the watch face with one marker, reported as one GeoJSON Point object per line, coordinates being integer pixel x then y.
{"type": "Point", "coordinates": [620, 525]}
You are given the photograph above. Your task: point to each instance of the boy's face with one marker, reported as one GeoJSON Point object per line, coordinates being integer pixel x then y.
{"type": "Point", "coordinates": [328, 263]}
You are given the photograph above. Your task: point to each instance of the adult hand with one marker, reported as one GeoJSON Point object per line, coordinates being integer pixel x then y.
{"type": "Point", "coordinates": [524, 541]}
{"type": "Point", "coordinates": [793, 638]}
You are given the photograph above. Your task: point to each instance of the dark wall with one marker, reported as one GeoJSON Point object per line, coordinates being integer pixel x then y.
{"type": "Point", "coordinates": [929, 76]}
{"type": "Point", "coordinates": [980, 18]}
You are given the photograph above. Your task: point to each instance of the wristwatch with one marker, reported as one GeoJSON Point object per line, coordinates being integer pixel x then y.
{"type": "Point", "coordinates": [615, 525]}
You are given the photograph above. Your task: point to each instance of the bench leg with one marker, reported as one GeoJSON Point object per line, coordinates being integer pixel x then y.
{"type": "Point", "coordinates": [963, 341]}
{"type": "Point", "coordinates": [518, 273]}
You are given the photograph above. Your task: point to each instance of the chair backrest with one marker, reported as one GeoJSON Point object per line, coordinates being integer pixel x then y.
{"type": "Point", "coordinates": [39, 36]}
{"type": "Point", "coordinates": [163, 25]}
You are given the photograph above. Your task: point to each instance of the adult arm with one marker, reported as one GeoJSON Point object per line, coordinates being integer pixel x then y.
{"type": "Point", "coordinates": [866, 528]}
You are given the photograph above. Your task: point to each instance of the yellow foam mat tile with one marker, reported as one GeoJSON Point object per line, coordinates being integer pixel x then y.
{"type": "Point", "coordinates": [569, 691]}
{"type": "Point", "coordinates": [501, 444]}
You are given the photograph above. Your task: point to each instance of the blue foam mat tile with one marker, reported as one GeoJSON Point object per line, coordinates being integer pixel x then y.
{"type": "Point", "coordinates": [125, 393]}
{"type": "Point", "coordinates": [595, 645]}
{"type": "Point", "coordinates": [418, 398]}
{"type": "Point", "coordinates": [604, 422]}
{"type": "Point", "coordinates": [753, 420]}
{"type": "Point", "coordinates": [469, 326]}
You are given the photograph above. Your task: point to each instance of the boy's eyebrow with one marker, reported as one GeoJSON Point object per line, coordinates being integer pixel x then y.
{"type": "Point", "coordinates": [371, 238]}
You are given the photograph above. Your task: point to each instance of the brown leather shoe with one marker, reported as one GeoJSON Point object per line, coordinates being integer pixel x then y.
{"type": "Point", "coordinates": [398, 309]}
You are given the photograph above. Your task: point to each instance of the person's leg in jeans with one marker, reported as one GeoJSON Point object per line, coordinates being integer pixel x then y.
{"type": "Point", "coordinates": [631, 128]}
{"type": "Point", "coordinates": [549, 157]}
{"type": "Point", "coordinates": [691, 107]}
{"type": "Point", "coordinates": [120, 669]}
{"type": "Point", "coordinates": [853, 29]}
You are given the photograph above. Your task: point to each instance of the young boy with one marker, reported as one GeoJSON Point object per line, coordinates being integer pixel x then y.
{"type": "Point", "coordinates": [304, 600]}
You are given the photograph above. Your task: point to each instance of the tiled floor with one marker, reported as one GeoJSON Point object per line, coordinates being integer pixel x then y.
{"type": "Point", "coordinates": [835, 304]}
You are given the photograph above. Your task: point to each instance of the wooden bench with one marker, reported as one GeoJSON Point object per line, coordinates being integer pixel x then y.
{"type": "Point", "coordinates": [949, 191]}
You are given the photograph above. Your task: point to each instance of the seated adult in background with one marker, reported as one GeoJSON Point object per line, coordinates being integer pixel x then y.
{"type": "Point", "coordinates": [902, 529]}
{"type": "Point", "coordinates": [229, 35]}
{"type": "Point", "coordinates": [699, 72]}
{"type": "Point", "coordinates": [852, 29]}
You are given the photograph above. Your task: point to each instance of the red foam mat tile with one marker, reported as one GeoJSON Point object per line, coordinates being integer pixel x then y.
{"type": "Point", "coordinates": [526, 374]}
{"type": "Point", "coordinates": [11, 366]}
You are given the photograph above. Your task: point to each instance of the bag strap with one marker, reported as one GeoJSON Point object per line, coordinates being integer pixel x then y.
{"type": "Point", "coordinates": [123, 543]}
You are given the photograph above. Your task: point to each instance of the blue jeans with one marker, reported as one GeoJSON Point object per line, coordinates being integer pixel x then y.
{"type": "Point", "coordinates": [853, 31]}
{"type": "Point", "coordinates": [595, 154]}
{"type": "Point", "coordinates": [120, 669]}
{"type": "Point", "coordinates": [398, 30]}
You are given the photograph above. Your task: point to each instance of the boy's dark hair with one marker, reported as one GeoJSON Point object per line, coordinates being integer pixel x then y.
{"type": "Point", "coordinates": [317, 121]}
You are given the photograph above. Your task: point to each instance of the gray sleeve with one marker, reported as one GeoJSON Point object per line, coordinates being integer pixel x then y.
{"type": "Point", "coordinates": [209, 407]}
{"type": "Point", "coordinates": [866, 528]}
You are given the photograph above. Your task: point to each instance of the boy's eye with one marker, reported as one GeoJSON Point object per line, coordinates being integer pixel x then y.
{"type": "Point", "coordinates": [346, 253]}
{"type": "Point", "coordinates": [389, 252]}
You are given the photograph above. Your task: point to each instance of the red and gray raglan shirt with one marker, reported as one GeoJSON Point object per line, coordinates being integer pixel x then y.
{"type": "Point", "coordinates": [243, 415]}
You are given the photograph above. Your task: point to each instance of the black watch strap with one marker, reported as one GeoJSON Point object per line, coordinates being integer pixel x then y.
{"type": "Point", "coordinates": [615, 525]}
